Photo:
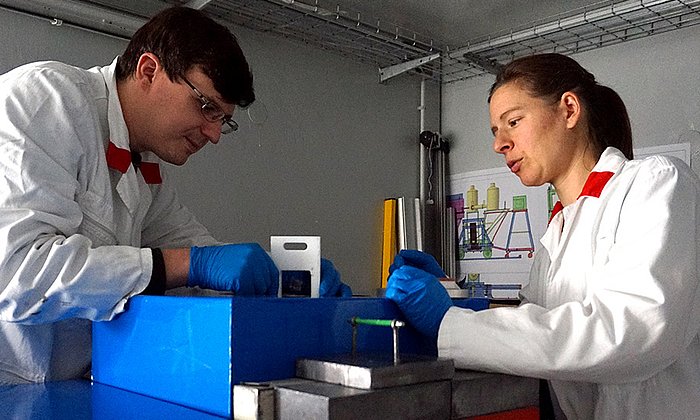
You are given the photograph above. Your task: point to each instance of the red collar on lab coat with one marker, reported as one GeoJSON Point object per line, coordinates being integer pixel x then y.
{"type": "Point", "coordinates": [120, 159]}
{"type": "Point", "coordinates": [592, 188]}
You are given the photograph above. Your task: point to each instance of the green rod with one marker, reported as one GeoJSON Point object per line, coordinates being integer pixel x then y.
{"type": "Point", "coordinates": [375, 322]}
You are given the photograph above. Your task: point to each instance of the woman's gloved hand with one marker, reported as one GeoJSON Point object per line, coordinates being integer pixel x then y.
{"type": "Point", "coordinates": [417, 259]}
{"type": "Point", "coordinates": [245, 269]}
{"type": "Point", "coordinates": [421, 298]}
{"type": "Point", "coordinates": [331, 286]}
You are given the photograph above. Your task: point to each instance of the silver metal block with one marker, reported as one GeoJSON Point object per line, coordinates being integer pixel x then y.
{"type": "Point", "coordinates": [375, 371]}
{"type": "Point", "coordinates": [253, 402]}
{"type": "Point", "coordinates": [479, 393]}
{"type": "Point", "coordinates": [311, 400]}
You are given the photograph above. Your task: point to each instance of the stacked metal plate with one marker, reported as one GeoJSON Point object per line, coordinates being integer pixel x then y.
{"type": "Point", "coordinates": [368, 386]}
{"type": "Point", "coordinates": [375, 371]}
{"type": "Point", "coordinates": [313, 400]}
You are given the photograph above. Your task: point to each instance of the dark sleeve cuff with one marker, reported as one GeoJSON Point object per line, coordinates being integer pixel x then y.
{"type": "Point", "coordinates": [157, 284]}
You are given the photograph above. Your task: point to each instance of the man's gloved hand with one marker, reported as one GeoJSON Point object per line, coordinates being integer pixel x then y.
{"type": "Point", "coordinates": [331, 286]}
{"type": "Point", "coordinates": [245, 269]}
{"type": "Point", "coordinates": [421, 298]}
{"type": "Point", "coordinates": [417, 259]}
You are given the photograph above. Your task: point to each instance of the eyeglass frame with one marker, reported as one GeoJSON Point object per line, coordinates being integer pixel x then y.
{"type": "Point", "coordinates": [206, 102]}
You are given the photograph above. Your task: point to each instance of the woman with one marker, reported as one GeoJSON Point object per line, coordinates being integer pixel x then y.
{"type": "Point", "coordinates": [612, 311]}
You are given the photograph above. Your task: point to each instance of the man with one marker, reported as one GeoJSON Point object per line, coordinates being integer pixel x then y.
{"type": "Point", "coordinates": [87, 219]}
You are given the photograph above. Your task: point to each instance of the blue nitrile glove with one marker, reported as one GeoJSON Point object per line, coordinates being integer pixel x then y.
{"type": "Point", "coordinates": [421, 298]}
{"type": "Point", "coordinates": [417, 259]}
{"type": "Point", "coordinates": [245, 269]}
{"type": "Point", "coordinates": [331, 286]}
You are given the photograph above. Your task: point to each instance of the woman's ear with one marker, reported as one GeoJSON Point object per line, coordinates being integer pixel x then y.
{"type": "Point", "coordinates": [571, 104]}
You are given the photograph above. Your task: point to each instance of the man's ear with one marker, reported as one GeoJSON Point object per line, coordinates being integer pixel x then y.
{"type": "Point", "coordinates": [571, 104]}
{"type": "Point", "coordinates": [146, 69]}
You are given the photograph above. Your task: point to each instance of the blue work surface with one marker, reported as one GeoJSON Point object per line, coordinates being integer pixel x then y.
{"type": "Point", "coordinates": [80, 399]}
{"type": "Point", "coordinates": [192, 350]}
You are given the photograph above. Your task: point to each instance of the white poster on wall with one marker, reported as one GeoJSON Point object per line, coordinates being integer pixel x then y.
{"type": "Point", "coordinates": [499, 221]}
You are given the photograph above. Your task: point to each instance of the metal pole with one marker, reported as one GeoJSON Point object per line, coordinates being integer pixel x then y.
{"type": "Point", "coordinates": [422, 171]}
{"type": "Point", "coordinates": [441, 205]}
{"type": "Point", "coordinates": [395, 336]}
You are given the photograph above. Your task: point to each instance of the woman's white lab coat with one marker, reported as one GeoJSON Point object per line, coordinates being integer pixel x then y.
{"type": "Point", "coordinates": [612, 311]}
{"type": "Point", "coordinates": [73, 229]}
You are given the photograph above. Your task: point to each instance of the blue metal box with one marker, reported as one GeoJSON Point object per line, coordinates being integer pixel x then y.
{"type": "Point", "coordinates": [192, 350]}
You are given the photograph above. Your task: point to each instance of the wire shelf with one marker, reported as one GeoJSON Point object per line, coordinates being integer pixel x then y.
{"type": "Point", "coordinates": [614, 23]}
{"type": "Point", "coordinates": [333, 30]}
{"type": "Point", "coordinates": [602, 24]}
{"type": "Point", "coordinates": [384, 45]}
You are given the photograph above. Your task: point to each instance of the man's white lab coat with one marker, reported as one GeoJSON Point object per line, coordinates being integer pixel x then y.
{"type": "Point", "coordinates": [612, 311]}
{"type": "Point", "coordinates": [73, 229]}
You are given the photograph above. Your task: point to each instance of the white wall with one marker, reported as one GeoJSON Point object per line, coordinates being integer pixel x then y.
{"type": "Point", "coordinates": [335, 143]}
{"type": "Point", "coordinates": [658, 77]}
{"type": "Point", "coordinates": [26, 38]}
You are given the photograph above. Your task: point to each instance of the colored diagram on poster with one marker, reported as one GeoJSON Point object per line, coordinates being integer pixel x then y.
{"type": "Point", "coordinates": [499, 222]}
